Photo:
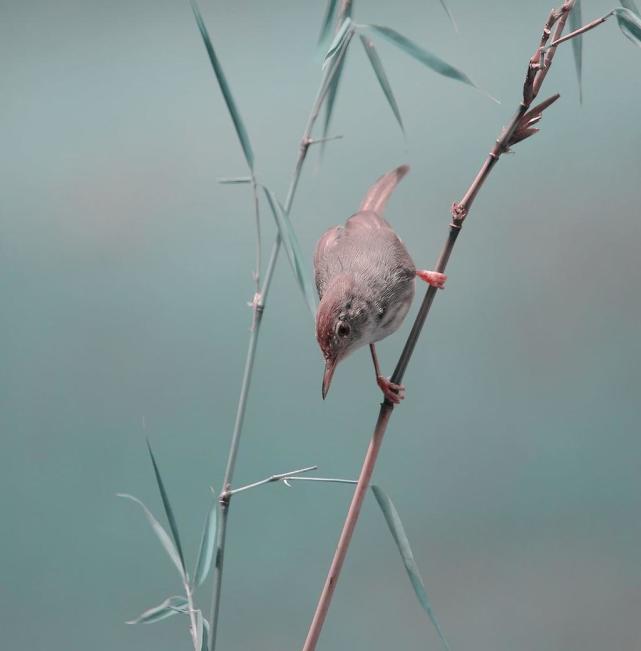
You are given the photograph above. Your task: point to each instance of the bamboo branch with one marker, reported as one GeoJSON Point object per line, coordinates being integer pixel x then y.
{"type": "Point", "coordinates": [538, 67]}
{"type": "Point", "coordinates": [292, 474]}
{"type": "Point", "coordinates": [586, 28]}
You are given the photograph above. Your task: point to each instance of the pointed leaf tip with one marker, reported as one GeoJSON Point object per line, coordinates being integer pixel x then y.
{"type": "Point", "coordinates": [577, 45]}
{"type": "Point", "coordinates": [379, 71]}
{"type": "Point", "coordinates": [397, 530]}
{"type": "Point", "coordinates": [419, 53]}
{"type": "Point", "coordinates": [167, 506]}
{"type": "Point", "coordinates": [239, 125]}
{"type": "Point", "coordinates": [450, 15]}
{"type": "Point", "coordinates": [427, 58]}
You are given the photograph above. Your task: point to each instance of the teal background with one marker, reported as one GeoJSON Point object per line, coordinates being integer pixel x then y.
{"type": "Point", "coordinates": [125, 270]}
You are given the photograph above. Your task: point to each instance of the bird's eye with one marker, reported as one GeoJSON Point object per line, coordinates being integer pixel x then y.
{"type": "Point", "coordinates": [343, 329]}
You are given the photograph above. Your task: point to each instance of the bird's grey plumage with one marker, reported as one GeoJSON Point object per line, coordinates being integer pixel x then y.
{"type": "Point", "coordinates": [368, 258]}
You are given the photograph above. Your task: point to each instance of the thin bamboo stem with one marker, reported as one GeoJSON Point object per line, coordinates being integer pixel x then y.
{"type": "Point", "coordinates": [192, 612]}
{"type": "Point", "coordinates": [258, 310]}
{"type": "Point", "coordinates": [348, 528]}
{"type": "Point", "coordinates": [258, 235]}
{"type": "Point", "coordinates": [534, 79]}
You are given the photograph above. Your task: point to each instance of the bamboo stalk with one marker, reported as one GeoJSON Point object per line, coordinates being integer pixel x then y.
{"type": "Point", "coordinates": [537, 70]}
{"type": "Point", "coordinates": [258, 309]}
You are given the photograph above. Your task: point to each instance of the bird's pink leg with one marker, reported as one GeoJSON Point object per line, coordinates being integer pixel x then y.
{"type": "Point", "coordinates": [393, 392]}
{"type": "Point", "coordinates": [433, 278]}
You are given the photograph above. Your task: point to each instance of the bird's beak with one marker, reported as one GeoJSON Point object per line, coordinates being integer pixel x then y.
{"type": "Point", "coordinates": [330, 367]}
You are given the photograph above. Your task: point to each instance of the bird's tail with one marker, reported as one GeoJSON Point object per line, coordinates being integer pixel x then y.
{"type": "Point", "coordinates": [377, 196]}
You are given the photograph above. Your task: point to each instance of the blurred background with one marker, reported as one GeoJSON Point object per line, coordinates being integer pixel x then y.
{"type": "Point", "coordinates": [125, 272]}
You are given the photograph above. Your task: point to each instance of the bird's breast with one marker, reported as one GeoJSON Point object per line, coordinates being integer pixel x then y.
{"type": "Point", "coordinates": [395, 312]}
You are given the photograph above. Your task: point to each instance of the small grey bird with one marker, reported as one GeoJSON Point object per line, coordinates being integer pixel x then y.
{"type": "Point", "coordinates": [365, 279]}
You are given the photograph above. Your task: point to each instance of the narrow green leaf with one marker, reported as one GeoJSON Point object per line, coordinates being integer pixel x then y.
{"type": "Point", "coordinates": [450, 15]}
{"type": "Point", "coordinates": [631, 5]}
{"type": "Point", "coordinates": [333, 67]}
{"type": "Point", "coordinates": [326, 28]}
{"type": "Point", "coordinates": [290, 241]}
{"type": "Point", "coordinates": [379, 71]}
{"type": "Point", "coordinates": [400, 538]}
{"type": "Point", "coordinates": [170, 606]}
{"type": "Point", "coordinates": [168, 510]}
{"type": "Point", "coordinates": [205, 645]}
{"type": "Point", "coordinates": [427, 58]}
{"type": "Point", "coordinates": [577, 44]}
{"type": "Point", "coordinates": [332, 93]}
{"type": "Point", "coordinates": [235, 179]}
{"type": "Point", "coordinates": [160, 532]}
{"type": "Point", "coordinates": [207, 546]}
{"type": "Point", "coordinates": [630, 24]}
{"type": "Point", "coordinates": [339, 39]}
{"type": "Point", "coordinates": [224, 87]}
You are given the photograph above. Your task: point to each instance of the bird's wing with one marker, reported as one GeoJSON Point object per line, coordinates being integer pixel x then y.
{"type": "Point", "coordinates": [376, 198]}
{"type": "Point", "coordinates": [323, 258]}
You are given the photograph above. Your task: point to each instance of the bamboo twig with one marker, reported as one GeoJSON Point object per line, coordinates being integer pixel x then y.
{"type": "Point", "coordinates": [292, 474]}
{"type": "Point", "coordinates": [538, 67]}
{"type": "Point", "coordinates": [586, 28]}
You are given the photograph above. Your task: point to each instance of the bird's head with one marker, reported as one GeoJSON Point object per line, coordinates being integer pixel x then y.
{"type": "Point", "coordinates": [341, 324]}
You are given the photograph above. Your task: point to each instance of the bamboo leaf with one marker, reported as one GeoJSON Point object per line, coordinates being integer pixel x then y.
{"type": "Point", "coordinates": [630, 24]}
{"type": "Point", "coordinates": [170, 606]}
{"type": "Point", "coordinates": [450, 15]}
{"type": "Point", "coordinates": [207, 545]}
{"type": "Point", "coordinates": [400, 538]}
{"type": "Point", "coordinates": [631, 5]}
{"type": "Point", "coordinates": [290, 241]}
{"type": "Point", "coordinates": [339, 41]}
{"type": "Point", "coordinates": [160, 532]}
{"type": "Point", "coordinates": [379, 71]}
{"type": "Point", "coordinates": [331, 72]}
{"type": "Point", "coordinates": [332, 93]}
{"type": "Point", "coordinates": [224, 88]}
{"type": "Point", "coordinates": [577, 44]}
{"type": "Point", "coordinates": [427, 58]}
{"type": "Point", "coordinates": [333, 66]}
{"type": "Point", "coordinates": [205, 645]}
{"type": "Point", "coordinates": [173, 527]}
{"type": "Point", "coordinates": [326, 28]}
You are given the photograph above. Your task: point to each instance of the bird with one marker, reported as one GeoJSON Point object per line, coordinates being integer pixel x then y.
{"type": "Point", "coordinates": [365, 279]}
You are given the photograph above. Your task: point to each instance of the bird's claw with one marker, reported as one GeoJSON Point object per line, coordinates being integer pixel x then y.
{"type": "Point", "coordinates": [392, 392]}
{"type": "Point", "coordinates": [433, 278]}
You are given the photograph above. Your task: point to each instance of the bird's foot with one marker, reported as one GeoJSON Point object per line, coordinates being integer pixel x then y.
{"type": "Point", "coordinates": [433, 278]}
{"type": "Point", "coordinates": [392, 392]}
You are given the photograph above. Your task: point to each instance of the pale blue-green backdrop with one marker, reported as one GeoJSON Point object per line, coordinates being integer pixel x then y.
{"type": "Point", "coordinates": [125, 272]}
